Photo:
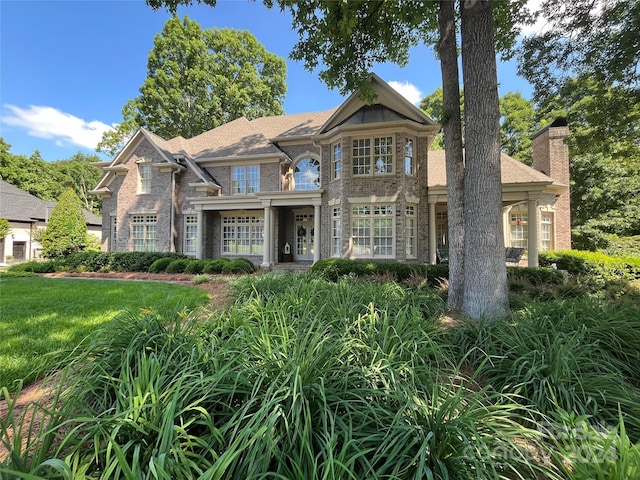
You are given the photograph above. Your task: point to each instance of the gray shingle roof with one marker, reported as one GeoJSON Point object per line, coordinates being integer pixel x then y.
{"type": "Point", "coordinates": [512, 170]}
{"type": "Point", "coordinates": [16, 205]}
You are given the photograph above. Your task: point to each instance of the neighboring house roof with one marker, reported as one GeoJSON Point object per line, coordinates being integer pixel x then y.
{"type": "Point", "coordinates": [16, 205]}
{"type": "Point", "coordinates": [512, 171]}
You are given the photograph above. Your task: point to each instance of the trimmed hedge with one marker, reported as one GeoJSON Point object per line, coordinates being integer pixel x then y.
{"type": "Point", "coordinates": [178, 266]}
{"type": "Point", "coordinates": [195, 266]}
{"type": "Point", "coordinates": [598, 266]}
{"type": "Point", "coordinates": [34, 266]}
{"type": "Point", "coordinates": [239, 265]}
{"type": "Point", "coordinates": [114, 261]}
{"type": "Point", "coordinates": [334, 269]}
{"type": "Point", "coordinates": [160, 265]}
{"type": "Point", "coordinates": [215, 266]}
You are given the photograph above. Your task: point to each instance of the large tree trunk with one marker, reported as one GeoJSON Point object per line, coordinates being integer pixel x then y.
{"type": "Point", "coordinates": [452, 125]}
{"type": "Point", "coordinates": [485, 285]}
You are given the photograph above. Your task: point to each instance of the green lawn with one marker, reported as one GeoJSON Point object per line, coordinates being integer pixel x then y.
{"type": "Point", "coordinates": [41, 318]}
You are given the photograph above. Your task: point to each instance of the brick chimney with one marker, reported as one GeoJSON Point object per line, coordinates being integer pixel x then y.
{"type": "Point", "coordinates": [551, 157]}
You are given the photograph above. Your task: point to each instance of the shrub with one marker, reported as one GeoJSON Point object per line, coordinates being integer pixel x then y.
{"type": "Point", "coordinates": [178, 266]}
{"type": "Point", "coordinates": [195, 266]}
{"type": "Point", "coordinates": [160, 265]}
{"type": "Point", "coordinates": [33, 266]}
{"type": "Point", "coordinates": [66, 231]}
{"type": "Point", "coordinates": [599, 267]}
{"type": "Point", "coordinates": [115, 261]}
{"type": "Point", "coordinates": [239, 265]}
{"type": "Point", "coordinates": [215, 266]}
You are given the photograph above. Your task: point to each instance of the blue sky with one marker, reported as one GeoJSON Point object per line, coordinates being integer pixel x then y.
{"type": "Point", "coordinates": [68, 67]}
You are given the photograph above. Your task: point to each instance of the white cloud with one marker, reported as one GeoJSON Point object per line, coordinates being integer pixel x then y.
{"type": "Point", "coordinates": [51, 123]}
{"type": "Point", "coordinates": [408, 91]}
{"type": "Point", "coordinates": [541, 25]}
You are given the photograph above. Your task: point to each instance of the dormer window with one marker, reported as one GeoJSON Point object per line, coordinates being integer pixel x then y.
{"type": "Point", "coordinates": [144, 178]}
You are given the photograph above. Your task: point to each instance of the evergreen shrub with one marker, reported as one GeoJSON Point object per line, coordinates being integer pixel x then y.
{"type": "Point", "coordinates": [215, 266]}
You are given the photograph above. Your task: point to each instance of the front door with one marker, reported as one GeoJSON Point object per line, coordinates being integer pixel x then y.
{"type": "Point", "coordinates": [19, 250]}
{"type": "Point", "coordinates": [303, 226]}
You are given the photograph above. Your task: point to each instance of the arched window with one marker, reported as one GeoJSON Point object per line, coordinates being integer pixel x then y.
{"type": "Point", "coordinates": [307, 174]}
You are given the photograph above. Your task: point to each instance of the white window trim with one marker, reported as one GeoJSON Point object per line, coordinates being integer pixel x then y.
{"type": "Point", "coordinates": [372, 236]}
{"type": "Point", "coordinates": [186, 238]}
{"type": "Point", "coordinates": [245, 180]}
{"type": "Point", "coordinates": [145, 223]}
{"type": "Point", "coordinates": [235, 215]}
{"type": "Point", "coordinates": [142, 189]}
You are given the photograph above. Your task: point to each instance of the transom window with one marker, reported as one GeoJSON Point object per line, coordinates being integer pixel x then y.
{"type": "Point", "coordinates": [372, 231]}
{"type": "Point", "coordinates": [243, 235]}
{"type": "Point", "coordinates": [144, 233]}
{"type": "Point", "coordinates": [245, 179]}
{"type": "Point", "coordinates": [190, 234]}
{"type": "Point", "coordinates": [144, 177]}
{"type": "Point", "coordinates": [380, 163]}
{"type": "Point", "coordinates": [336, 161]}
{"type": "Point", "coordinates": [409, 165]}
{"type": "Point", "coordinates": [307, 174]}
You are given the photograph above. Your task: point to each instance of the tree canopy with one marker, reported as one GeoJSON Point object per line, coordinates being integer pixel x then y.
{"type": "Point", "coordinates": [49, 179]}
{"type": "Point", "coordinates": [198, 79]}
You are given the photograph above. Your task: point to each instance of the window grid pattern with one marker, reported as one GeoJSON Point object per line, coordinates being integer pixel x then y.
{"type": "Point", "coordinates": [336, 232]}
{"type": "Point", "coordinates": [383, 151]}
{"type": "Point", "coordinates": [144, 233]}
{"type": "Point", "coordinates": [114, 234]}
{"type": "Point", "coordinates": [361, 156]}
{"type": "Point", "coordinates": [190, 234]}
{"type": "Point", "coordinates": [410, 231]}
{"type": "Point", "coordinates": [519, 230]}
{"type": "Point", "coordinates": [243, 235]}
{"type": "Point", "coordinates": [372, 230]}
{"type": "Point", "coordinates": [245, 180]}
{"type": "Point", "coordinates": [307, 174]}
{"type": "Point", "coordinates": [144, 173]}
{"type": "Point", "coordinates": [409, 167]}
{"type": "Point", "coordinates": [336, 161]}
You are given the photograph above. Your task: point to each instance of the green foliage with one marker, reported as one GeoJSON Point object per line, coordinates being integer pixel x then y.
{"type": "Point", "coordinates": [178, 266]}
{"type": "Point", "coordinates": [625, 246]}
{"type": "Point", "coordinates": [160, 265]}
{"type": "Point", "coordinates": [114, 261]}
{"type": "Point", "coordinates": [5, 228]}
{"type": "Point", "coordinates": [34, 266]}
{"type": "Point", "coordinates": [195, 266]}
{"type": "Point", "coordinates": [215, 266]}
{"type": "Point", "coordinates": [198, 79]}
{"type": "Point", "coordinates": [44, 319]}
{"type": "Point", "coordinates": [239, 265]}
{"type": "Point", "coordinates": [66, 231]}
{"type": "Point", "coordinates": [599, 267]}
{"type": "Point", "coordinates": [49, 179]}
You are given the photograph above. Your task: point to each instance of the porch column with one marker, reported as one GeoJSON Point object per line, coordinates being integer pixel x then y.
{"type": "Point", "coordinates": [532, 226]}
{"type": "Point", "coordinates": [316, 233]}
{"type": "Point", "coordinates": [432, 233]}
{"type": "Point", "coordinates": [199, 234]}
{"type": "Point", "coordinates": [266, 252]}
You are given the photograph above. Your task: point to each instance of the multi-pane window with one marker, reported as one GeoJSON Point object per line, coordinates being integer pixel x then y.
{"type": "Point", "coordinates": [442, 232]}
{"type": "Point", "coordinates": [243, 235]}
{"type": "Point", "coordinates": [380, 163]}
{"type": "Point", "coordinates": [336, 161]}
{"type": "Point", "coordinates": [546, 232]}
{"type": "Point", "coordinates": [307, 174]}
{"type": "Point", "coordinates": [144, 177]}
{"type": "Point", "coordinates": [144, 233]}
{"type": "Point", "coordinates": [519, 230]}
{"type": "Point", "coordinates": [336, 232]}
{"type": "Point", "coordinates": [410, 231]}
{"type": "Point", "coordinates": [372, 230]}
{"type": "Point", "coordinates": [190, 234]}
{"type": "Point", "coordinates": [409, 166]}
{"type": "Point", "coordinates": [245, 179]}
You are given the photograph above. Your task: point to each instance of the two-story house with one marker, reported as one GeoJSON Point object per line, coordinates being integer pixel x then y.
{"type": "Point", "coordinates": [357, 181]}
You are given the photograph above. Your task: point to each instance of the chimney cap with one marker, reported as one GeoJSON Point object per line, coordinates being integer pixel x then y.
{"type": "Point", "coordinates": [558, 122]}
